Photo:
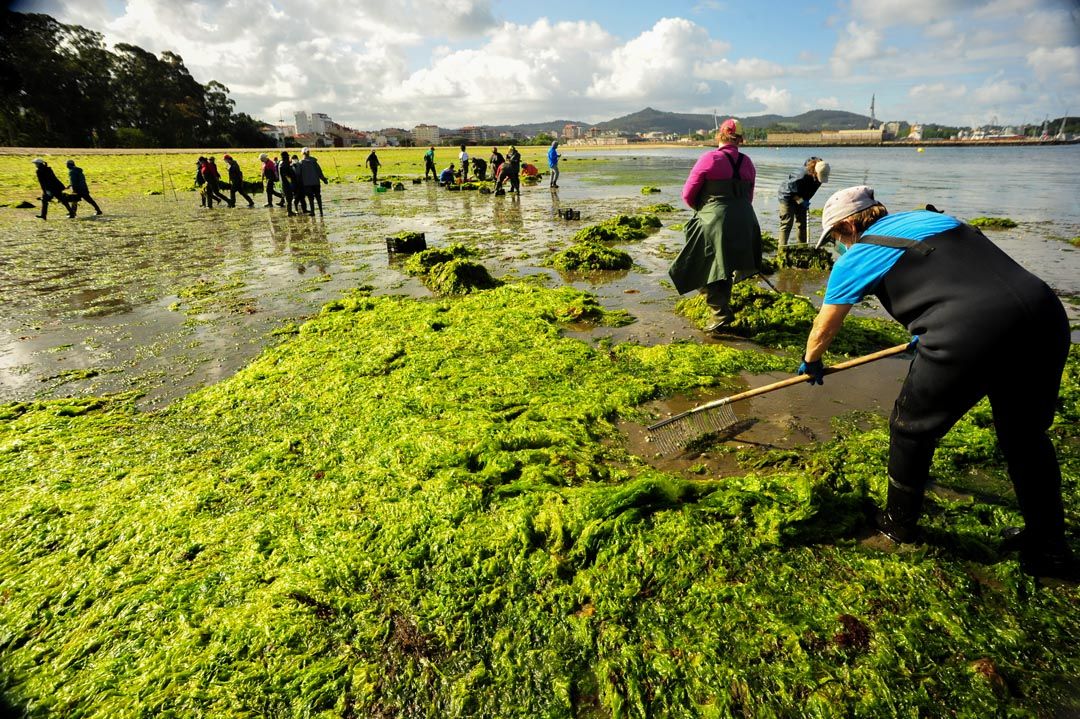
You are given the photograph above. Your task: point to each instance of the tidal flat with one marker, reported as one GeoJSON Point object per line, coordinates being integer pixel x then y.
{"type": "Point", "coordinates": [251, 466]}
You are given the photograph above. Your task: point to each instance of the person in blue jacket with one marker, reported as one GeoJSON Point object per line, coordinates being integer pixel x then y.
{"type": "Point", "coordinates": [553, 162]}
{"type": "Point", "coordinates": [794, 197]}
{"type": "Point", "coordinates": [77, 183]}
{"type": "Point", "coordinates": [977, 315]}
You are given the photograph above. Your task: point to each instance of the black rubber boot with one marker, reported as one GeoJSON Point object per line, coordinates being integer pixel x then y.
{"type": "Point", "coordinates": [899, 520]}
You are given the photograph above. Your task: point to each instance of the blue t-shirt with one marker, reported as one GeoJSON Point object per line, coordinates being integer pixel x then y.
{"type": "Point", "coordinates": [858, 270]}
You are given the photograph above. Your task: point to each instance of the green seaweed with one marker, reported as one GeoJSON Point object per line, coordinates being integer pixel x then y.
{"type": "Point", "coordinates": [658, 209]}
{"type": "Point", "coordinates": [585, 256]}
{"type": "Point", "coordinates": [422, 508]}
{"type": "Point", "coordinates": [459, 277]}
{"type": "Point", "coordinates": [783, 320]}
{"type": "Point", "coordinates": [992, 223]}
{"type": "Point", "coordinates": [421, 263]}
{"type": "Point", "coordinates": [649, 190]}
{"type": "Point", "coordinates": [803, 256]}
{"type": "Point", "coordinates": [621, 228]}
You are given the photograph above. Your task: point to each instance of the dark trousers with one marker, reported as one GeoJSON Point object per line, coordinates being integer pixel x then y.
{"type": "Point", "coordinates": [213, 192]}
{"type": "Point", "coordinates": [718, 298]}
{"type": "Point", "coordinates": [374, 175]}
{"type": "Point", "coordinates": [429, 166]}
{"type": "Point", "coordinates": [47, 197]}
{"type": "Point", "coordinates": [313, 193]}
{"type": "Point", "coordinates": [290, 197]}
{"type": "Point", "coordinates": [235, 188]}
{"type": "Point", "coordinates": [512, 178]}
{"type": "Point", "coordinates": [271, 193]}
{"type": "Point", "coordinates": [1021, 374]}
{"type": "Point", "coordinates": [792, 213]}
{"type": "Point", "coordinates": [89, 200]}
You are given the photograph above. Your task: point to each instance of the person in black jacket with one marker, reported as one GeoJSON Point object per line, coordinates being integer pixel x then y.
{"type": "Point", "coordinates": [495, 162]}
{"type": "Point", "coordinates": [794, 197]}
{"type": "Point", "coordinates": [287, 173]}
{"type": "Point", "coordinates": [51, 189]}
{"type": "Point", "coordinates": [77, 183]}
{"type": "Point", "coordinates": [236, 182]}
{"type": "Point", "coordinates": [373, 165]}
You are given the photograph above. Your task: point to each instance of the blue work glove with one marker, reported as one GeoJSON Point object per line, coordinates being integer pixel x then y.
{"type": "Point", "coordinates": [914, 343]}
{"type": "Point", "coordinates": [815, 369]}
{"type": "Point", "coordinates": [806, 205]}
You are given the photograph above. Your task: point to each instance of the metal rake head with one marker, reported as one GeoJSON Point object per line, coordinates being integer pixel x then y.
{"type": "Point", "coordinates": [673, 434]}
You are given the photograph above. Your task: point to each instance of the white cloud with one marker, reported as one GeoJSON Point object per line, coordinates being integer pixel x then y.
{"type": "Point", "coordinates": [998, 93]}
{"type": "Point", "coordinates": [1059, 66]}
{"type": "Point", "coordinates": [773, 99]}
{"type": "Point", "coordinates": [653, 63]}
{"type": "Point", "coordinates": [859, 43]}
{"type": "Point", "coordinates": [740, 70]}
{"type": "Point", "coordinates": [937, 91]}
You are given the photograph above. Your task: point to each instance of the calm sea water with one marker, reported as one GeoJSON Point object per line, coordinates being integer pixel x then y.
{"type": "Point", "coordinates": [1038, 187]}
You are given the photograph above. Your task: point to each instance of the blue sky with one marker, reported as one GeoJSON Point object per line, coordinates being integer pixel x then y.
{"type": "Point", "coordinates": [377, 63]}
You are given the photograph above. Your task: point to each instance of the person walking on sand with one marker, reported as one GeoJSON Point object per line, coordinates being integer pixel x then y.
{"type": "Point", "coordinates": [270, 176]}
{"type": "Point", "coordinates": [723, 238]}
{"type": "Point", "coordinates": [311, 175]}
{"type": "Point", "coordinates": [429, 164]}
{"type": "Point", "coordinates": [553, 163]}
{"type": "Point", "coordinates": [463, 158]}
{"type": "Point", "coordinates": [794, 197]}
{"type": "Point", "coordinates": [288, 182]}
{"type": "Point", "coordinates": [236, 182]}
{"type": "Point", "coordinates": [983, 327]}
{"type": "Point", "coordinates": [77, 183]}
{"type": "Point", "coordinates": [51, 189]}
{"type": "Point", "coordinates": [373, 164]}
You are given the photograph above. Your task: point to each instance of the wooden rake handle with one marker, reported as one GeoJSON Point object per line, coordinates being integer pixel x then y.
{"type": "Point", "coordinates": [765, 389]}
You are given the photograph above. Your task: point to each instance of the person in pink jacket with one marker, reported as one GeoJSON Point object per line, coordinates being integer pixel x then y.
{"type": "Point", "coordinates": [723, 238]}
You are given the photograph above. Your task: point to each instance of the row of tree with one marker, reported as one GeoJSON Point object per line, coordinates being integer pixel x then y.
{"type": "Point", "coordinates": [62, 87]}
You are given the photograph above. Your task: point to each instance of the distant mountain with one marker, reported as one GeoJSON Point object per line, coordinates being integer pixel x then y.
{"type": "Point", "coordinates": [653, 120]}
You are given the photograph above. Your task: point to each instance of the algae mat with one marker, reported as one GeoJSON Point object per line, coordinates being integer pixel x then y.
{"type": "Point", "coordinates": [420, 508]}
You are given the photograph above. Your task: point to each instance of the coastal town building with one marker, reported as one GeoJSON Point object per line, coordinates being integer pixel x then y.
{"type": "Point", "coordinates": [426, 135]}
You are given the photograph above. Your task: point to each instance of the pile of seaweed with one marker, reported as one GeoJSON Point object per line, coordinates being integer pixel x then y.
{"type": "Point", "coordinates": [449, 271]}
{"type": "Point", "coordinates": [993, 223]}
{"type": "Point", "coordinates": [649, 190]}
{"type": "Point", "coordinates": [620, 228]}
{"type": "Point", "coordinates": [586, 256]}
{"type": "Point", "coordinates": [803, 257]}
{"type": "Point", "coordinates": [421, 508]}
{"type": "Point", "coordinates": [783, 320]}
{"type": "Point", "coordinates": [658, 209]}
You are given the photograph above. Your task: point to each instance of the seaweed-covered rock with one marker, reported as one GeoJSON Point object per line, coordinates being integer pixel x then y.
{"type": "Point", "coordinates": [406, 242]}
{"type": "Point", "coordinates": [422, 262]}
{"type": "Point", "coordinates": [590, 256]}
{"type": "Point", "coordinates": [804, 257]}
{"type": "Point", "coordinates": [621, 228]}
{"type": "Point", "coordinates": [649, 190]}
{"type": "Point", "coordinates": [459, 276]}
{"type": "Point", "coordinates": [992, 223]}
{"type": "Point", "coordinates": [658, 208]}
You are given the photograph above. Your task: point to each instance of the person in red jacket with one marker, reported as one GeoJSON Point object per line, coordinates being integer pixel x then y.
{"type": "Point", "coordinates": [270, 176]}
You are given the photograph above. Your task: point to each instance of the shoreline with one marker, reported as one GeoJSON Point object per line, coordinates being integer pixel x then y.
{"type": "Point", "coordinates": [629, 146]}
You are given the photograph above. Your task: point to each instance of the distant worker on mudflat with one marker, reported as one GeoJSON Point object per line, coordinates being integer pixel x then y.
{"type": "Point", "coordinates": [429, 164]}
{"type": "Point", "coordinates": [373, 164]}
{"type": "Point", "coordinates": [311, 175]}
{"type": "Point", "coordinates": [553, 163]}
{"type": "Point", "coordinates": [213, 184]}
{"type": "Point", "coordinates": [236, 182]}
{"type": "Point", "coordinates": [77, 183]}
{"type": "Point", "coordinates": [496, 160]}
{"type": "Point", "coordinates": [446, 177]}
{"type": "Point", "coordinates": [794, 197]}
{"type": "Point", "coordinates": [288, 182]}
{"type": "Point", "coordinates": [51, 189]}
{"type": "Point", "coordinates": [463, 158]}
{"type": "Point", "coordinates": [270, 176]}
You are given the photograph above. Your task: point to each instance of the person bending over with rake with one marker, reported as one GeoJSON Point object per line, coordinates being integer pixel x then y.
{"type": "Point", "coordinates": [976, 315]}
